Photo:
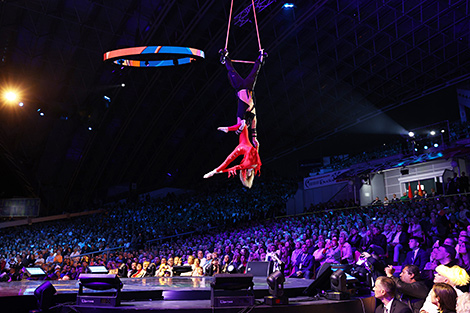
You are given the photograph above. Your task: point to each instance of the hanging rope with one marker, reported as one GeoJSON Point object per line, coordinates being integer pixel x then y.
{"type": "Point", "coordinates": [228, 28]}
{"type": "Point", "coordinates": [256, 23]}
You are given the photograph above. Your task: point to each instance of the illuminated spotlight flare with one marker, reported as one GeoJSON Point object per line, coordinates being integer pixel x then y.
{"type": "Point", "coordinates": [89, 128]}
{"type": "Point", "coordinates": [123, 85]}
{"type": "Point", "coordinates": [10, 96]}
{"type": "Point", "coordinates": [432, 132]}
{"type": "Point", "coordinates": [443, 131]}
{"type": "Point", "coordinates": [411, 134]}
{"type": "Point", "coordinates": [21, 104]}
{"type": "Point", "coordinates": [41, 113]}
{"type": "Point", "coordinates": [436, 145]}
{"type": "Point", "coordinates": [288, 6]}
{"type": "Point", "coordinates": [425, 147]}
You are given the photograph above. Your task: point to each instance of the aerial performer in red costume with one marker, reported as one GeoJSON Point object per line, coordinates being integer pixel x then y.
{"type": "Point", "coordinates": [250, 164]}
{"type": "Point", "coordinates": [246, 116]}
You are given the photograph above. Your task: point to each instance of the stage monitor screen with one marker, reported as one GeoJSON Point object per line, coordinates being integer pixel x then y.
{"type": "Point", "coordinates": [35, 271]}
{"type": "Point", "coordinates": [98, 269]}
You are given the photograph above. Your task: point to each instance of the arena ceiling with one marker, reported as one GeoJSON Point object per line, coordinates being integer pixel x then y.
{"type": "Point", "coordinates": [338, 77]}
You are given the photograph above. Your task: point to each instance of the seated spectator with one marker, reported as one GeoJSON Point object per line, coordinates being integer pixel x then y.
{"type": "Point", "coordinates": [414, 229]}
{"type": "Point", "coordinates": [399, 241]}
{"type": "Point", "coordinates": [378, 242]}
{"type": "Point", "coordinates": [303, 265]}
{"type": "Point", "coordinates": [197, 270]}
{"type": "Point", "coordinates": [225, 263]}
{"type": "Point", "coordinates": [445, 255]}
{"type": "Point", "coordinates": [376, 201]}
{"type": "Point", "coordinates": [454, 276]}
{"type": "Point", "coordinates": [214, 268]}
{"type": "Point", "coordinates": [140, 271]}
{"type": "Point", "coordinates": [344, 249]}
{"type": "Point", "coordinates": [384, 290]}
{"type": "Point", "coordinates": [444, 297]}
{"type": "Point", "coordinates": [416, 256]}
{"type": "Point", "coordinates": [463, 258]}
{"type": "Point", "coordinates": [412, 290]}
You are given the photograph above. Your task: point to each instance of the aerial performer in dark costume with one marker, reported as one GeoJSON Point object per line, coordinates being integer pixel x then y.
{"type": "Point", "coordinates": [246, 116]}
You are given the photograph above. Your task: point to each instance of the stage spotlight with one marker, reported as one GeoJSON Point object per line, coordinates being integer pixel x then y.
{"type": "Point", "coordinates": [411, 134]}
{"type": "Point", "coordinates": [44, 295]}
{"type": "Point", "coordinates": [276, 289]}
{"type": "Point", "coordinates": [123, 85]}
{"type": "Point", "coordinates": [41, 113]}
{"type": "Point", "coordinates": [432, 132]}
{"type": "Point", "coordinates": [436, 145]}
{"type": "Point", "coordinates": [288, 6]}
{"type": "Point", "coordinates": [10, 96]}
{"type": "Point", "coordinates": [90, 128]}
{"type": "Point", "coordinates": [107, 98]}
{"type": "Point", "coordinates": [426, 147]}
{"type": "Point", "coordinates": [416, 149]}
{"type": "Point", "coordinates": [276, 284]}
{"type": "Point", "coordinates": [21, 104]}
{"type": "Point", "coordinates": [443, 131]}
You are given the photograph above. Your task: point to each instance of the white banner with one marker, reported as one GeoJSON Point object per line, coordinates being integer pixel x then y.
{"type": "Point", "coordinates": [322, 180]}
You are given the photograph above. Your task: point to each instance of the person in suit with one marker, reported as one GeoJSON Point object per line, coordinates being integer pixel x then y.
{"type": "Point", "coordinates": [303, 264]}
{"type": "Point", "coordinates": [416, 256]}
{"type": "Point", "coordinates": [384, 290]}
{"type": "Point", "coordinates": [410, 286]}
{"type": "Point", "coordinates": [399, 240]}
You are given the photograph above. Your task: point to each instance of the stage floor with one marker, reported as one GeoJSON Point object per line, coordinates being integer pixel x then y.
{"type": "Point", "coordinates": [165, 285]}
{"type": "Point", "coordinates": [176, 294]}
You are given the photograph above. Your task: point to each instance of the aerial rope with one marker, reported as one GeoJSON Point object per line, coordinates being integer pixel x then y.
{"type": "Point", "coordinates": [256, 27]}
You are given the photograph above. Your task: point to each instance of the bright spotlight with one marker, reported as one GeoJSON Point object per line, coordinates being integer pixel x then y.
{"type": "Point", "coordinates": [443, 131]}
{"type": "Point", "coordinates": [436, 145]}
{"type": "Point", "coordinates": [41, 113]}
{"type": "Point", "coordinates": [288, 6]}
{"type": "Point", "coordinates": [89, 128]}
{"type": "Point", "coordinates": [10, 96]}
{"type": "Point", "coordinates": [21, 104]}
{"type": "Point", "coordinates": [411, 134]}
{"type": "Point", "coordinates": [425, 147]}
{"type": "Point", "coordinates": [416, 149]}
{"type": "Point", "coordinates": [123, 85]}
{"type": "Point", "coordinates": [432, 132]}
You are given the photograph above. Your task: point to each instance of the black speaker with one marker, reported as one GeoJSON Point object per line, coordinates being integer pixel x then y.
{"type": "Point", "coordinates": [44, 295]}
{"type": "Point", "coordinates": [237, 290]}
{"type": "Point", "coordinates": [99, 282]}
{"type": "Point", "coordinates": [322, 282]}
{"type": "Point", "coordinates": [263, 269]}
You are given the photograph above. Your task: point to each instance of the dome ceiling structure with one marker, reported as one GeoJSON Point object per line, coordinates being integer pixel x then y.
{"type": "Point", "coordinates": [340, 76]}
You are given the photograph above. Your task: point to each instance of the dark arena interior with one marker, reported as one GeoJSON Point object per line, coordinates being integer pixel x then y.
{"type": "Point", "coordinates": [342, 123]}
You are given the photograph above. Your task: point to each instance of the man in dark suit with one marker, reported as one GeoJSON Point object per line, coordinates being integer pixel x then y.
{"type": "Point", "coordinates": [303, 264]}
{"type": "Point", "coordinates": [416, 256]}
{"type": "Point", "coordinates": [410, 287]}
{"type": "Point", "coordinates": [384, 290]}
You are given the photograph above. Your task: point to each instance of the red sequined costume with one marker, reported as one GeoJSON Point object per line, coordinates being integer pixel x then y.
{"type": "Point", "coordinates": [250, 161]}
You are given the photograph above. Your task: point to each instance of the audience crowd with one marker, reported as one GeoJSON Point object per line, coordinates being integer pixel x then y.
{"type": "Point", "coordinates": [429, 238]}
